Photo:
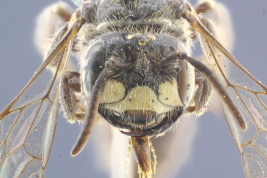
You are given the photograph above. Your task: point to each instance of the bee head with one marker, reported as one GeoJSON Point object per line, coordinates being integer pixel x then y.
{"type": "Point", "coordinates": [141, 92]}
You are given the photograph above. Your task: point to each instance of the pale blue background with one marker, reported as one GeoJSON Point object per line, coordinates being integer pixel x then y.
{"type": "Point", "coordinates": [214, 153]}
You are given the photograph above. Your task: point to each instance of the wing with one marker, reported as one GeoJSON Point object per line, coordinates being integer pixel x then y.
{"type": "Point", "coordinates": [248, 94]}
{"type": "Point", "coordinates": [250, 97]}
{"type": "Point", "coordinates": [28, 123]}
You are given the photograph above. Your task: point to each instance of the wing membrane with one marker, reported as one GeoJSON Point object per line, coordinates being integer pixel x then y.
{"type": "Point", "coordinates": [28, 123]}
{"type": "Point", "coordinates": [24, 128]}
{"type": "Point", "coordinates": [28, 126]}
{"type": "Point", "coordinates": [250, 97]}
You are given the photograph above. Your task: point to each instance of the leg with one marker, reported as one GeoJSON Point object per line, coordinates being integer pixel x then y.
{"type": "Point", "coordinates": [68, 91]}
{"type": "Point", "coordinates": [202, 95]}
{"type": "Point", "coordinates": [200, 101]}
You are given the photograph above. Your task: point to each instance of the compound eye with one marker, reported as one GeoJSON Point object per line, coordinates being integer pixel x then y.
{"type": "Point", "coordinates": [92, 64]}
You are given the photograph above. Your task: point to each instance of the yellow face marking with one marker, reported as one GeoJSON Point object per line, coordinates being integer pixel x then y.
{"type": "Point", "coordinates": [152, 37]}
{"type": "Point", "coordinates": [113, 91]}
{"type": "Point", "coordinates": [130, 36]}
{"type": "Point", "coordinates": [168, 94]}
{"type": "Point", "coordinates": [144, 98]}
{"type": "Point", "coordinates": [175, 101]}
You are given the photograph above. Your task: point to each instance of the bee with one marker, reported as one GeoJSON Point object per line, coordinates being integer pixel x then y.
{"type": "Point", "coordinates": [37, 128]}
